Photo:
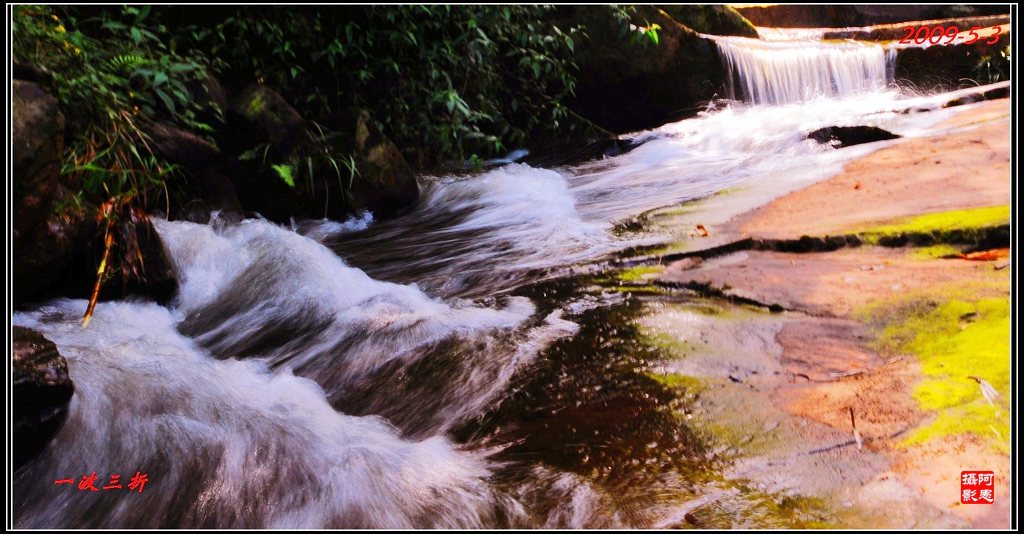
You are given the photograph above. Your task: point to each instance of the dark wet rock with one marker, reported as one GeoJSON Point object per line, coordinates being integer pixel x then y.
{"type": "Point", "coordinates": [38, 148]}
{"type": "Point", "coordinates": [844, 136]}
{"type": "Point", "coordinates": [213, 191]}
{"type": "Point", "coordinates": [159, 281]}
{"type": "Point", "coordinates": [340, 166]}
{"type": "Point", "coordinates": [30, 72]}
{"type": "Point", "coordinates": [44, 240]}
{"type": "Point", "coordinates": [386, 184]}
{"type": "Point", "coordinates": [260, 115]}
{"type": "Point", "coordinates": [212, 94]}
{"type": "Point", "coordinates": [895, 32]}
{"type": "Point", "coordinates": [44, 258]}
{"type": "Point", "coordinates": [842, 16]}
{"type": "Point", "coordinates": [625, 84]}
{"type": "Point", "coordinates": [42, 392]}
{"type": "Point", "coordinates": [180, 146]}
{"type": "Point", "coordinates": [943, 67]}
{"type": "Point", "coordinates": [63, 263]}
{"type": "Point", "coordinates": [975, 238]}
{"type": "Point", "coordinates": [578, 151]}
{"type": "Point", "coordinates": [711, 19]}
{"type": "Point", "coordinates": [1001, 91]}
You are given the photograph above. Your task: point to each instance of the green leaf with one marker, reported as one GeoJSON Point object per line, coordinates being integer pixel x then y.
{"type": "Point", "coordinates": [285, 172]}
{"type": "Point", "coordinates": [166, 100]}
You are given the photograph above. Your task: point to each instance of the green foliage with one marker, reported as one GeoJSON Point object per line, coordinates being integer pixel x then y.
{"type": "Point", "coordinates": [318, 157]}
{"type": "Point", "coordinates": [285, 172]}
{"type": "Point", "coordinates": [111, 74]}
{"type": "Point", "coordinates": [993, 67]}
{"type": "Point", "coordinates": [645, 34]}
{"type": "Point", "coordinates": [108, 63]}
{"type": "Point", "coordinates": [446, 82]}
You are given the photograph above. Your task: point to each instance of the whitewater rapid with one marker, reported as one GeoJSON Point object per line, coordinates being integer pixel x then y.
{"type": "Point", "coordinates": [312, 375]}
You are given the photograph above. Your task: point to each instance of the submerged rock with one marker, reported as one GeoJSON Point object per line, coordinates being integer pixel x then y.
{"type": "Point", "coordinates": [42, 393]}
{"type": "Point", "coordinates": [1000, 90]}
{"type": "Point", "coordinates": [843, 136]}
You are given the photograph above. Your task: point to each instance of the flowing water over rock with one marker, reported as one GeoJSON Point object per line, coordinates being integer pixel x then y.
{"type": "Point", "coordinates": [450, 368]}
{"type": "Point", "coordinates": [785, 71]}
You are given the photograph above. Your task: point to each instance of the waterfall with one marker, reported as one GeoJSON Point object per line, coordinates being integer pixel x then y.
{"type": "Point", "coordinates": [783, 72]}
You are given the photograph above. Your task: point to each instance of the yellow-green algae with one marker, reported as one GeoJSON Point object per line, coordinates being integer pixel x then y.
{"type": "Point", "coordinates": [690, 384]}
{"type": "Point", "coordinates": [968, 219]}
{"type": "Point", "coordinates": [639, 274]}
{"type": "Point", "coordinates": [935, 251]}
{"type": "Point", "coordinates": [955, 340]}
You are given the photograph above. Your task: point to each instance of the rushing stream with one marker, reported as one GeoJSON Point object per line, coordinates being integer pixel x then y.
{"type": "Point", "coordinates": [449, 368]}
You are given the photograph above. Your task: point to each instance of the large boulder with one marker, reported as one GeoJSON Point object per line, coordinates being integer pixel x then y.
{"type": "Point", "coordinates": [259, 115]}
{"type": "Point", "coordinates": [627, 84]}
{"type": "Point", "coordinates": [44, 240]}
{"type": "Point", "coordinates": [58, 245]}
{"type": "Point", "coordinates": [38, 148]}
{"type": "Point", "coordinates": [211, 95]}
{"type": "Point", "coordinates": [211, 191]}
{"type": "Point", "coordinates": [42, 392]}
{"type": "Point", "coordinates": [180, 146]}
{"type": "Point", "coordinates": [386, 184]}
{"type": "Point", "coordinates": [66, 251]}
{"type": "Point", "coordinates": [338, 166]}
{"type": "Point", "coordinates": [44, 259]}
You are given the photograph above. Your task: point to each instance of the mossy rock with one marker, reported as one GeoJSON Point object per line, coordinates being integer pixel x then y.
{"type": "Point", "coordinates": [627, 84]}
{"type": "Point", "coordinates": [259, 114]}
{"type": "Point", "coordinates": [337, 167]}
{"type": "Point", "coordinates": [386, 184]}
{"type": "Point", "coordinates": [712, 19]}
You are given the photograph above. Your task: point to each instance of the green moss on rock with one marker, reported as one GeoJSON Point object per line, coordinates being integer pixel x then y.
{"type": "Point", "coordinates": [712, 19]}
{"type": "Point", "coordinates": [957, 342]}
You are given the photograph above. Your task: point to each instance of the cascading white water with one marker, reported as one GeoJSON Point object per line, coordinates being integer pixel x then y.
{"type": "Point", "coordinates": [281, 387]}
{"type": "Point", "coordinates": [783, 72]}
{"type": "Point", "coordinates": [226, 443]}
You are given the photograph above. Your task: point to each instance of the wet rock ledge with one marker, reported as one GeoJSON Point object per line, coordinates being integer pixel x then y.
{"type": "Point", "coordinates": [42, 392]}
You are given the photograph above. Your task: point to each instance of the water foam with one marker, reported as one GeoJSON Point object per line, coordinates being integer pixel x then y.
{"type": "Point", "coordinates": [228, 443]}
{"type": "Point", "coordinates": [269, 292]}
